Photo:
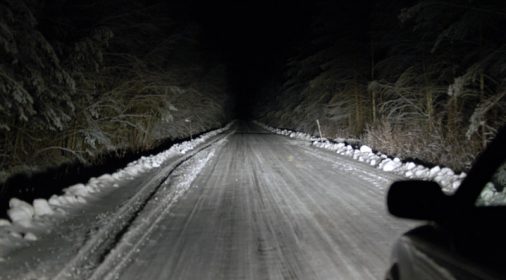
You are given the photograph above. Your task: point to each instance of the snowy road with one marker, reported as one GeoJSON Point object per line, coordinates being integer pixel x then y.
{"type": "Point", "coordinates": [268, 207]}
{"type": "Point", "coordinates": [262, 206]}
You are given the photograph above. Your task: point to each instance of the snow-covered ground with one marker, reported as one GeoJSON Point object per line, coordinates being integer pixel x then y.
{"type": "Point", "coordinates": [184, 214]}
{"type": "Point", "coordinates": [263, 207]}
{"type": "Point", "coordinates": [28, 220]}
{"type": "Point", "coordinates": [266, 207]}
{"type": "Point", "coordinates": [445, 176]}
{"type": "Point", "coordinates": [157, 209]}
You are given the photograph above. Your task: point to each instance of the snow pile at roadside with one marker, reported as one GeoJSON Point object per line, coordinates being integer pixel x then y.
{"type": "Point", "coordinates": [448, 180]}
{"type": "Point", "coordinates": [289, 133]}
{"type": "Point", "coordinates": [25, 217]}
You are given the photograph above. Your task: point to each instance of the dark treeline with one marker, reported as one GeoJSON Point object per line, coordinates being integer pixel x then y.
{"type": "Point", "coordinates": [420, 79]}
{"type": "Point", "coordinates": [82, 78]}
{"type": "Point", "coordinates": [423, 79]}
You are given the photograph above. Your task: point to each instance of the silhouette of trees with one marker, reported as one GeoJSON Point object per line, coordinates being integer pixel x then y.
{"type": "Point", "coordinates": [78, 78]}
{"type": "Point", "coordinates": [421, 79]}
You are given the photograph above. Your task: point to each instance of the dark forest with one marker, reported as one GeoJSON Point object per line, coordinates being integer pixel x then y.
{"type": "Point", "coordinates": [415, 79]}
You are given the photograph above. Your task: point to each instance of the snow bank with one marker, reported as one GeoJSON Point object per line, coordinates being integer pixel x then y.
{"type": "Point", "coordinates": [30, 236]}
{"type": "Point", "coordinates": [448, 180]}
{"type": "Point", "coordinates": [20, 212]}
{"type": "Point", "coordinates": [41, 207]}
{"type": "Point", "coordinates": [4, 223]}
{"type": "Point", "coordinates": [23, 214]}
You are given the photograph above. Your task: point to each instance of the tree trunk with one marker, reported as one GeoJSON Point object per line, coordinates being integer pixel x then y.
{"type": "Point", "coordinates": [358, 110]}
{"type": "Point", "coordinates": [430, 109]}
{"type": "Point", "coordinates": [373, 106]}
{"type": "Point", "coordinates": [373, 93]}
{"type": "Point", "coordinates": [482, 98]}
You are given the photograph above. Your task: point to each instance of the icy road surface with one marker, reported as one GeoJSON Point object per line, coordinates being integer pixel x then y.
{"type": "Point", "coordinates": [253, 205]}
{"type": "Point", "coordinates": [268, 207]}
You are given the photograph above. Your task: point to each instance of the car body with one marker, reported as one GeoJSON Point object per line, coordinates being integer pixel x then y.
{"type": "Point", "coordinates": [464, 234]}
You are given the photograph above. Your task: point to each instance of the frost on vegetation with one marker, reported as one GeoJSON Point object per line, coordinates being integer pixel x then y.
{"type": "Point", "coordinates": [39, 79]}
{"type": "Point", "coordinates": [24, 214]}
{"type": "Point", "coordinates": [80, 93]}
{"type": "Point", "coordinates": [448, 180]}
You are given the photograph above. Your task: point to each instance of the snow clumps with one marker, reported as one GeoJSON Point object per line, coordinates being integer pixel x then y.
{"type": "Point", "coordinates": [20, 212]}
{"type": "Point", "coordinates": [448, 180]}
{"type": "Point", "coordinates": [25, 216]}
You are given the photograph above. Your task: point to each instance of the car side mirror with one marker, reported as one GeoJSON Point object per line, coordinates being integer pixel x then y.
{"type": "Point", "coordinates": [418, 200]}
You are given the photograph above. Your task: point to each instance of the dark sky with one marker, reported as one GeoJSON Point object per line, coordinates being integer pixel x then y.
{"type": "Point", "coordinates": [254, 37]}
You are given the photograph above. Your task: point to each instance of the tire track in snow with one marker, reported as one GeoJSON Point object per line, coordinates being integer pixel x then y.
{"type": "Point", "coordinates": [172, 189]}
{"type": "Point", "coordinates": [92, 254]}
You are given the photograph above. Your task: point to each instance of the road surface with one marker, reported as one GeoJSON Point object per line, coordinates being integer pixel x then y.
{"type": "Point", "coordinates": [269, 207]}
{"type": "Point", "coordinates": [246, 205]}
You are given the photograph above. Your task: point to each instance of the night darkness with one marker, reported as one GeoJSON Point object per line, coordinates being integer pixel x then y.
{"type": "Point", "coordinates": [361, 68]}
{"type": "Point", "coordinates": [148, 128]}
{"type": "Point", "coordinates": [255, 38]}
{"type": "Point", "coordinates": [125, 75]}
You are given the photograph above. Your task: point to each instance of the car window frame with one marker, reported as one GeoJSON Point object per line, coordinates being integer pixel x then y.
{"type": "Point", "coordinates": [484, 167]}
